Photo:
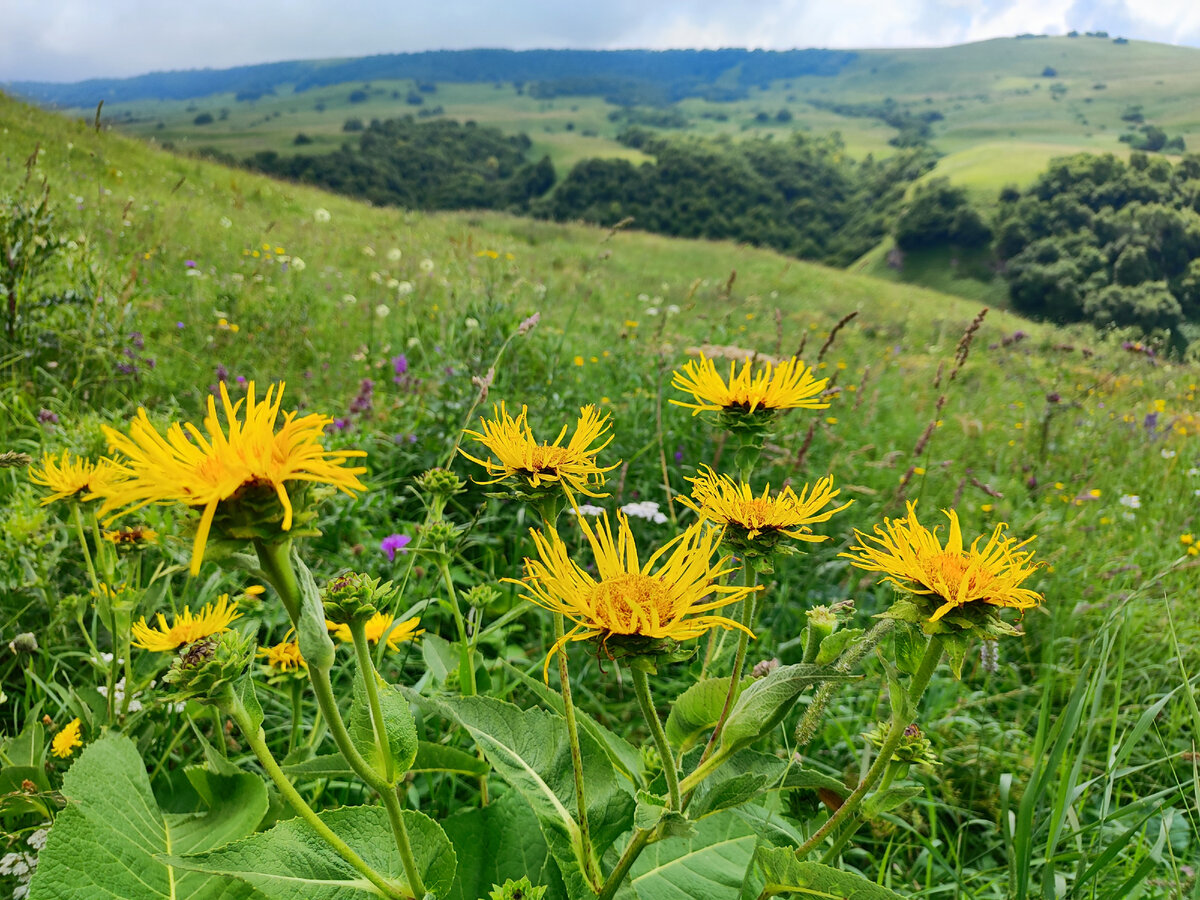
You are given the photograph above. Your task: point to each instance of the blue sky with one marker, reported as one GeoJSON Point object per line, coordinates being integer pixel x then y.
{"type": "Point", "coordinates": [68, 40]}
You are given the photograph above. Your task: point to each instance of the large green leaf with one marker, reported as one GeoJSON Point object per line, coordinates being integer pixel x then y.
{"type": "Point", "coordinates": [397, 722]}
{"type": "Point", "coordinates": [779, 872]}
{"type": "Point", "coordinates": [430, 758]}
{"type": "Point", "coordinates": [711, 865]}
{"type": "Point", "coordinates": [624, 756]}
{"type": "Point", "coordinates": [500, 841]}
{"type": "Point", "coordinates": [697, 711]}
{"type": "Point", "coordinates": [529, 749]}
{"type": "Point", "coordinates": [762, 705]}
{"type": "Point", "coordinates": [112, 840]}
{"type": "Point", "coordinates": [292, 860]}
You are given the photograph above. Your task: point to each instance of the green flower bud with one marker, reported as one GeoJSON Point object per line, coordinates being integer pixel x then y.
{"type": "Point", "coordinates": [516, 890]}
{"type": "Point", "coordinates": [441, 483]}
{"type": "Point", "coordinates": [481, 596]}
{"type": "Point", "coordinates": [355, 597]}
{"type": "Point", "coordinates": [914, 747]}
{"type": "Point", "coordinates": [207, 669]}
{"type": "Point", "coordinates": [440, 533]}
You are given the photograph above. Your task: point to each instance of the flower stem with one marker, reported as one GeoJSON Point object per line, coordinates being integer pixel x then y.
{"type": "Point", "coordinates": [641, 687]}
{"type": "Point", "coordinates": [916, 688]}
{"type": "Point", "coordinates": [366, 670]}
{"type": "Point", "coordinates": [750, 578]}
{"type": "Point", "coordinates": [466, 665]}
{"type": "Point", "coordinates": [637, 844]}
{"type": "Point", "coordinates": [564, 676]}
{"type": "Point", "coordinates": [87, 553]}
{"type": "Point", "coordinates": [278, 568]}
{"type": "Point", "coordinates": [254, 737]}
{"type": "Point", "coordinates": [274, 558]}
{"type": "Point", "coordinates": [297, 715]}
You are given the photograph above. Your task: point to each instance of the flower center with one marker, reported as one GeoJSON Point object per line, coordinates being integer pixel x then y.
{"type": "Point", "coordinates": [546, 457]}
{"type": "Point", "coordinates": [953, 569]}
{"type": "Point", "coordinates": [631, 604]}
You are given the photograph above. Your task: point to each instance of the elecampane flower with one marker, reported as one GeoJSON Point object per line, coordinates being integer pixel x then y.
{"type": "Point", "coordinates": [212, 466]}
{"type": "Point", "coordinates": [911, 557]}
{"type": "Point", "coordinates": [213, 618]}
{"type": "Point", "coordinates": [67, 740]}
{"type": "Point", "coordinates": [627, 597]}
{"type": "Point", "coordinates": [789, 385]}
{"type": "Point", "coordinates": [517, 454]}
{"type": "Point", "coordinates": [720, 499]}
{"type": "Point", "coordinates": [379, 625]}
{"type": "Point", "coordinates": [78, 477]}
{"type": "Point", "coordinates": [284, 656]}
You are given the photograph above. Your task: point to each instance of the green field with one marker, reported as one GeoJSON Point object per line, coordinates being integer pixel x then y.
{"type": "Point", "coordinates": [1068, 768]}
{"type": "Point", "coordinates": [1001, 119]}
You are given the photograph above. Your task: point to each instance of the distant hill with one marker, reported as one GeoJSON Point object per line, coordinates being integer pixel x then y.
{"type": "Point", "coordinates": [640, 75]}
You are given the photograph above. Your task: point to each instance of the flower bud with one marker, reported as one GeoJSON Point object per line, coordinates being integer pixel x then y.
{"type": "Point", "coordinates": [440, 482]}
{"type": "Point", "coordinates": [207, 669]}
{"type": "Point", "coordinates": [25, 642]}
{"type": "Point", "coordinates": [353, 597]}
{"type": "Point", "coordinates": [440, 533]}
{"type": "Point", "coordinates": [481, 596]}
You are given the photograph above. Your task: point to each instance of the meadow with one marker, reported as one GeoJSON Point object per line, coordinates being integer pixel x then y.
{"type": "Point", "coordinates": [1066, 762]}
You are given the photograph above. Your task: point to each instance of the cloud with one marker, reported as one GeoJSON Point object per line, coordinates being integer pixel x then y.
{"type": "Point", "coordinates": [67, 40]}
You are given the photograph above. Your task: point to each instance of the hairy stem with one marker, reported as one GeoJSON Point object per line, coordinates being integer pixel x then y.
{"type": "Point", "coordinates": [366, 671]}
{"type": "Point", "coordinates": [916, 688]}
{"type": "Point", "coordinates": [254, 737]}
{"type": "Point", "coordinates": [466, 665]}
{"type": "Point", "coordinates": [564, 677]}
{"type": "Point", "coordinates": [641, 687]}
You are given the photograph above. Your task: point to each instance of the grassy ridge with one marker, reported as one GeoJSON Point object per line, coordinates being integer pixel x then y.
{"type": "Point", "coordinates": [1089, 445]}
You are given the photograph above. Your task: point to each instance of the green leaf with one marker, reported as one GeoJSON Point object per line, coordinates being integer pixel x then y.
{"type": "Point", "coordinates": [440, 656]}
{"type": "Point", "coordinates": [112, 840]}
{"type": "Point", "coordinates": [764, 703]}
{"type": "Point", "coordinates": [316, 646]}
{"type": "Point", "coordinates": [800, 777]}
{"type": "Point", "coordinates": [909, 645]}
{"type": "Point", "coordinates": [770, 825]}
{"type": "Point", "coordinates": [652, 809]}
{"type": "Point", "coordinates": [244, 688]}
{"type": "Point", "coordinates": [779, 872]}
{"type": "Point", "coordinates": [397, 722]}
{"type": "Point", "coordinates": [291, 860]}
{"type": "Point", "coordinates": [835, 645]}
{"type": "Point", "coordinates": [430, 758]}
{"type": "Point", "coordinates": [500, 841]}
{"type": "Point", "coordinates": [883, 801]}
{"type": "Point", "coordinates": [711, 865]}
{"type": "Point", "coordinates": [696, 711]}
{"type": "Point", "coordinates": [529, 750]}
{"type": "Point", "coordinates": [622, 754]}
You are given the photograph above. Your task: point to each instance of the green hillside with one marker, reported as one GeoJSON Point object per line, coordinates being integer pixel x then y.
{"type": "Point", "coordinates": [1069, 756]}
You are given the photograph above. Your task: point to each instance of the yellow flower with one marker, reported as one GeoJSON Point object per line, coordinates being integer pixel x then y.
{"type": "Point", "coordinates": [786, 386]}
{"type": "Point", "coordinates": [131, 538]}
{"type": "Point", "coordinates": [67, 740]}
{"type": "Point", "coordinates": [284, 656]}
{"type": "Point", "coordinates": [628, 598]}
{"type": "Point", "coordinates": [212, 468]}
{"type": "Point", "coordinates": [913, 559]}
{"type": "Point", "coordinates": [212, 619]}
{"type": "Point", "coordinates": [377, 626]}
{"type": "Point", "coordinates": [79, 477]}
{"type": "Point", "coordinates": [518, 454]}
{"type": "Point", "coordinates": [720, 499]}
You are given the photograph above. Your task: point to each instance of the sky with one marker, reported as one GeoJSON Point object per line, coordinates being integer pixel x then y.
{"type": "Point", "coordinates": [70, 40]}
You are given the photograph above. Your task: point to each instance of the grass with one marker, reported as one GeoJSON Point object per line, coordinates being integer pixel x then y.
{"type": "Point", "coordinates": [1083, 732]}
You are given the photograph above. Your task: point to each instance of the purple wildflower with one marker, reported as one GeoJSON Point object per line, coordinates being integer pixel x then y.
{"type": "Point", "coordinates": [190, 263]}
{"type": "Point", "coordinates": [222, 373]}
{"type": "Point", "coordinates": [46, 416]}
{"type": "Point", "coordinates": [393, 543]}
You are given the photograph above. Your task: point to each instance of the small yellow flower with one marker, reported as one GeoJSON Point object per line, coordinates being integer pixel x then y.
{"type": "Point", "coordinates": [75, 478]}
{"type": "Point", "coordinates": [212, 619]}
{"type": "Point", "coordinates": [1187, 539]}
{"type": "Point", "coordinates": [720, 499]}
{"type": "Point", "coordinates": [630, 323]}
{"type": "Point", "coordinates": [629, 599]}
{"type": "Point", "coordinates": [132, 537]}
{"type": "Point", "coordinates": [579, 360]}
{"type": "Point", "coordinates": [517, 454]}
{"type": "Point", "coordinates": [284, 657]}
{"type": "Point", "coordinates": [912, 558]}
{"type": "Point", "coordinates": [790, 385]}
{"type": "Point", "coordinates": [67, 740]}
{"type": "Point", "coordinates": [377, 626]}
{"type": "Point", "coordinates": [210, 469]}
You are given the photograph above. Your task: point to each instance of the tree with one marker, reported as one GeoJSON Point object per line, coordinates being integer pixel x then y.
{"type": "Point", "coordinates": [939, 214]}
{"type": "Point", "coordinates": [1149, 306]}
